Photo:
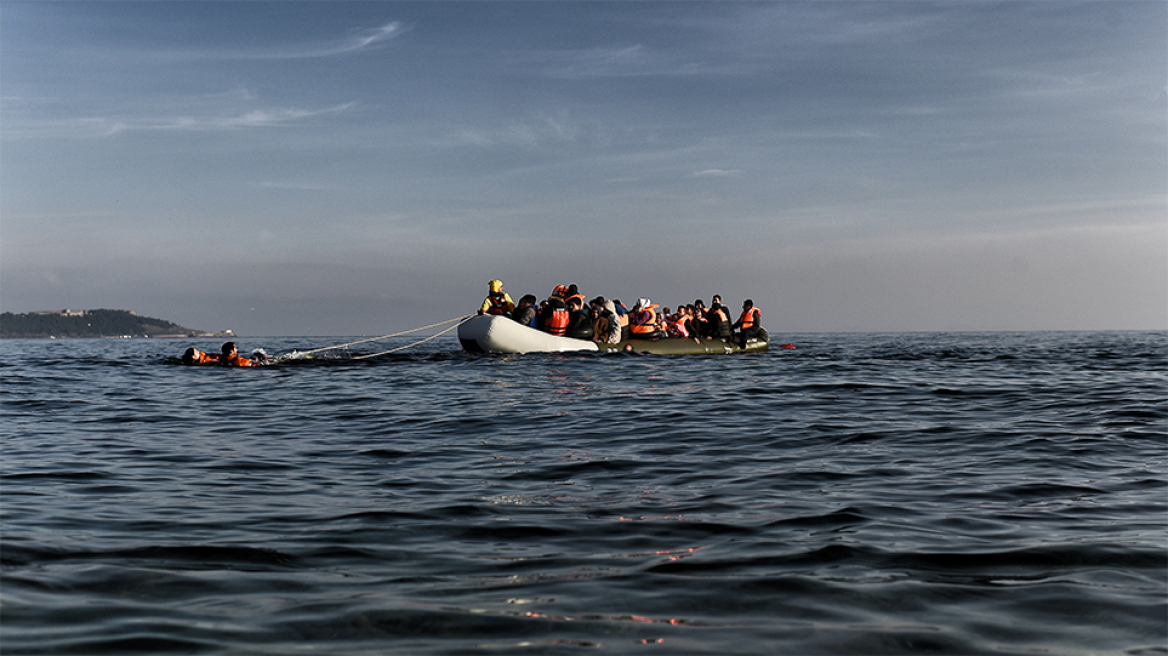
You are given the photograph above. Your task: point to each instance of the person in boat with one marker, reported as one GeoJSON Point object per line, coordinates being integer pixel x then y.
{"type": "Point", "coordinates": [678, 325]}
{"type": "Point", "coordinates": [194, 356]}
{"type": "Point", "coordinates": [606, 326]}
{"type": "Point", "coordinates": [748, 322]}
{"type": "Point", "coordinates": [574, 292]}
{"type": "Point", "coordinates": [553, 317]}
{"type": "Point", "coordinates": [526, 312]}
{"type": "Point", "coordinates": [622, 313]}
{"type": "Point", "coordinates": [497, 300]}
{"type": "Point", "coordinates": [697, 317]}
{"type": "Point", "coordinates": [230, 357]}
{"type": "Point", "coordinates": [718, 321]}
{"type": "Point", "coordinates": [579, 321]}
{"type": "Point", "coordinates": [643, 321]}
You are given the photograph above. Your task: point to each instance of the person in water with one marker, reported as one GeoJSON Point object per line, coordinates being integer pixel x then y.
{"type": "Point", "coordinates": [230, 357]}
{"type": "Point", "coordinates": [193, 356]}
{"type": "Point", "coordinates": [497, 300]}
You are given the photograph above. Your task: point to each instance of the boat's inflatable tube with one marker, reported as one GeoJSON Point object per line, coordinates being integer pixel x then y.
{"type": "Point", "coordinates": [492, 333]}
{"type": "Point", "coordinates": [488, 333]}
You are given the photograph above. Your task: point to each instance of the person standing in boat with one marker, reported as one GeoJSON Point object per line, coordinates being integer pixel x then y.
{"type": "Point", "coordinates": [748, 322]}
{"type": "Point", "coordinates": [718, 321]}
{"type": "Point", "coordinates": [497, 300]}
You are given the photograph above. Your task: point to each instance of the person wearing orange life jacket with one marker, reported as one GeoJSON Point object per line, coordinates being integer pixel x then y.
{"type": "Point", "coordinates": [497, 301]}
{"type": "Point", "coordinates": [748, 323]}
{"type": "Point", "coordinates": [574, 292]}
{"type": "Point", "coordinates": [554, 317]}
{"type": "Point", "coordinates": [230, 357]}
{"type": "Point", "coordinates": [194, 356]}
{"type": "Point", "coordinates": [643, 322]}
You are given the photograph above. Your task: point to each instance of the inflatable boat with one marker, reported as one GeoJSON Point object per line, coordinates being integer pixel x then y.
{"type": "Point", "coordinates": [488, 333]}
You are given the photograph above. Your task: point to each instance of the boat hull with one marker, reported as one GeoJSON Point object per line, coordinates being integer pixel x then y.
{"type": "Point", "coordinates": [487, 333]}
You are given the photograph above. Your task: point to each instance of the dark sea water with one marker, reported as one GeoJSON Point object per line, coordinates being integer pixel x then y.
{"type": "Point", "coordinates": [954, 493]}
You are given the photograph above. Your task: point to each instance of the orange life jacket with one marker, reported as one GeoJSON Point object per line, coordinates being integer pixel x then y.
{"type": "Point", "coordinates": [204, 358]}
{"type": "Point", "coordinates": [750, 318]}
{"type": "Point", "coordinates": [644, 321]}
{"type": "Point", "coordinates": [238, 361]}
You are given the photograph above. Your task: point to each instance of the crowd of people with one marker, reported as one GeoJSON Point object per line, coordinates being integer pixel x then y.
{"type": "Point", "coordinates": [567, 313]}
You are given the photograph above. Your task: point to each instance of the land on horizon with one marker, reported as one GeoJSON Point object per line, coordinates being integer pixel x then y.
{"type": "Point", "coordinates": [93, 323]}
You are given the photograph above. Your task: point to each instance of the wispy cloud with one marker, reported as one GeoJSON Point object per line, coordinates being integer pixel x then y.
{"type": "Point", "coordinates": [360, 40]}
{"type": "Point", "coordinates": [90, 126]}
{"type": "Point", "coordinates": [717, 173]}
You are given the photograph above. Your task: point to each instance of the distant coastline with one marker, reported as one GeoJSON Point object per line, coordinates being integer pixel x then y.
{"type": "Point", "coordinates": [53, 324]}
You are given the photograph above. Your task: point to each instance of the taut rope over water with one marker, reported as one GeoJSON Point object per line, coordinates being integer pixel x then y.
{"type": "Point", "coordinates": [300, 354]}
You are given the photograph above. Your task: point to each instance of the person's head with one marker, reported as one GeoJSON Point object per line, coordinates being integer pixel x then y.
{"type": "Point", "coordinates": [575, 304]}
{"type": "Point", "coordinates": [573, 289]}
{"type": "Point", "coordinates": [496, 286]}
{"type": "Point", "coordinates": [228, 349]}
{"type": "Point", "coordinates": [700, 304]}
{"type": "Point", "coordinates": [190, 355]}
{"type": "Point", "coordinates": [527, 301]}
{"type": "Point", "coordinates": [560, 291]}
{"type": "Point", "coordinates": [747, 304]}
{"type": "Point", "coordinates": [717, 300]}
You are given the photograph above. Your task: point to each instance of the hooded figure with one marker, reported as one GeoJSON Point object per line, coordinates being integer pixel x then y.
{"type": "Point", "coordinates": [607, 325]}
{"type": "Point", "coordinates": [497, 301]}
{"type": "Point", "coordinates": [643, 319]}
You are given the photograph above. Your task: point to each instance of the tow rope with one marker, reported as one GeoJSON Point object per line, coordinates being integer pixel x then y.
{"type": "Point", "coordinates": [300, 354]}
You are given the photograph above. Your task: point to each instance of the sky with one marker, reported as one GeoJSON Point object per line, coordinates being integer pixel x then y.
{"type": "Point", "coordinates": [335, 168]}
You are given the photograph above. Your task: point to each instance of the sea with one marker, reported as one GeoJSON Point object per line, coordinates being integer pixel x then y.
{"type": "Point", "coordinates": [860, 493]}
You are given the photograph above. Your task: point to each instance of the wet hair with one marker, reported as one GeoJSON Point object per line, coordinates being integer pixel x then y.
{"type": "Point", "coordinates": [189, 356]}
{"type": "Point", "coordinates": [530, 298]}
{"type": "Point", "coordinates": [228, 347]}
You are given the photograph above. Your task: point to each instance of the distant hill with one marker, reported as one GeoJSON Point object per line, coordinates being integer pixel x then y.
{"type": "Point", "coordinates": [92, 323]}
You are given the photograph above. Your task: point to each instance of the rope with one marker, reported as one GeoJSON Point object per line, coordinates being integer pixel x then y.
{"type": "Point", "coordinates": [400, 348]}
{"type": "Point", "coordinates": [299, 354]}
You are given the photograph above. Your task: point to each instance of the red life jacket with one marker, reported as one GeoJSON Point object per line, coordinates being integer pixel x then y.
{"type": "Point", "coordinates": [557, 321]}
{"type": "Point", "coordinates": [498, 303]}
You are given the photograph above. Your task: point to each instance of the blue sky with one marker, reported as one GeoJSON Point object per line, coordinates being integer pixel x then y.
{"type": "Point", "coordinates": [334, 168]}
